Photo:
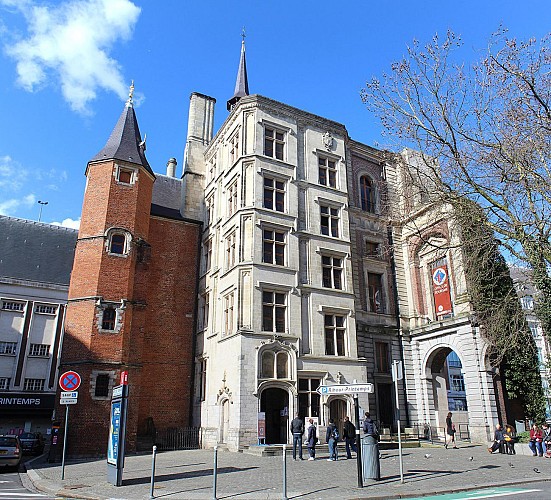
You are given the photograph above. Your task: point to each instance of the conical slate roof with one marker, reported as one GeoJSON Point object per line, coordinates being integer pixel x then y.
{"type": "Point", "coordinates": [125, 142]}
{"type": "Point", "coordinates": [242, 82]}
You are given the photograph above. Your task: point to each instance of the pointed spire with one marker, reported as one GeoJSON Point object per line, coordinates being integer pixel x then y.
{"type": "Point", "coordinates": [242, 82]}
{"type": "Point", "coordinates": [125, 142]}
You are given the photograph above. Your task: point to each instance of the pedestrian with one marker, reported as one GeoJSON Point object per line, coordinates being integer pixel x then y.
{"type": "Point", "coordinates": [297, 429]}
{"type": "Point", "coordinates": [312, 440]}
{"type": "Point", "coordinates": [510, 437]}
{"type": "Point", "coordinates": [450, 431]}
{"type": "Point", "coordinates": [370, 428]}
{"type": "Point", "coordinates": [536, 439]}
{"type": "Point", "coordinates": [349, 434]}
{"type": "Point", "coordinates": [499, 440]}
{"type": "Point", "coordinates": [332, 438]}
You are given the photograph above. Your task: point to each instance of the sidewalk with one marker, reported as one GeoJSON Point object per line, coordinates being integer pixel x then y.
{"type": "Point", "coordinates": [188, 475]}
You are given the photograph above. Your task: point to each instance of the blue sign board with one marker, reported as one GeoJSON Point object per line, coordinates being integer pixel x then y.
{"type": "Point", "coordinates": [114, 433]}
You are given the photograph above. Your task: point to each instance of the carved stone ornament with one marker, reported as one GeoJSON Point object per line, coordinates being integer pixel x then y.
{"type": "Point", "coordinates": [328, 140]}
{"type": "Point", "coordinates": [224, 390]}
{"type": "Point", "coordinates": [276, 339]}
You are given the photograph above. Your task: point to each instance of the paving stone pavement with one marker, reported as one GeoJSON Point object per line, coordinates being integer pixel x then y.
{"type": "Point", "coordinates": [188, 475]}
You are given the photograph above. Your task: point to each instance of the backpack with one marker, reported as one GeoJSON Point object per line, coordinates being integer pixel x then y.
{"type": "Point", "coordinates": [370, 428]}
{"type": "Point", "coordinates": [335, 434]}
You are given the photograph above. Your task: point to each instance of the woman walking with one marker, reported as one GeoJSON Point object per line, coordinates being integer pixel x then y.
{"type": "Point", "coordinates": [450, 431]}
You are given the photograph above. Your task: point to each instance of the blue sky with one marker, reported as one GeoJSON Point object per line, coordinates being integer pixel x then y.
{"type": "Point", "coordinates": [66, 68]}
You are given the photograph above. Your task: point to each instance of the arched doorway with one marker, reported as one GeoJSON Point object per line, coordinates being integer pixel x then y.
{"type": "Point", "coordinates": [448, 387]}
{"type": "Point", "coordinates": [275, 403]}
{"type": "Point", "coordinates": [337, 412]}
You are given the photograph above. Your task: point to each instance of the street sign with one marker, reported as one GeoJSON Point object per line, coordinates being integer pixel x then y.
{"type": "Point", "coordinates": [69, 381]}
{"type": "Point", "coordinates": [69, 395]}
{"type": "Point", "coordinates": [397, 371]}
{"type": "Point", "coordinates": [68, 401]}
{"type": "Point", "coordinates": [326, 390]}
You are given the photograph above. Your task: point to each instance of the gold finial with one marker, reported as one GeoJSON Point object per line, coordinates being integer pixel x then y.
{"type": "Point", "coordinates": [243, 33]}
{"type": "Point", "coordinates": [130, 94]}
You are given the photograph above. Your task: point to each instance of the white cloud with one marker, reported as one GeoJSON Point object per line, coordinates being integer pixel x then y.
{"type": "Point", "coordinates": [72, 42]}
{"type": "Point", "coordinates": [72, 223]}
{"type": "Point", "coordinates": [9, 207]}
{"type": "Point", "coordinates": [12, 174]}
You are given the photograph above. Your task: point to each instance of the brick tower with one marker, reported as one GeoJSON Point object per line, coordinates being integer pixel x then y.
{"type": "Point", "coordinates": [131, 307]}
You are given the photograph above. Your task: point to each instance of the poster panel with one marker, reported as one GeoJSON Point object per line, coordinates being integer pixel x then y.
{"type": "Point", "coordinates": [441, 291]}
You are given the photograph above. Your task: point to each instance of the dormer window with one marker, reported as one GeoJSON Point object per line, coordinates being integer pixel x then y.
{"type": "Point", "coordinates": [125, 175]}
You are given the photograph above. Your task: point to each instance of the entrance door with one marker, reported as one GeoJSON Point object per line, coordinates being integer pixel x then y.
{"type": "Point", "coordinates": [275, 402]}
{"type": "Point", "coordinates": [337, 412]}
{"type": "Point", "coordinates": [385, 406]}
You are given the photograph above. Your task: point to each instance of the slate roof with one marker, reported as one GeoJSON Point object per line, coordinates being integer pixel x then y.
{"type": "Point", "coordinates": [167, 192]}
{"type": "Point", "coordinates": [242, 82]}
{"type": "Point", "coordinates": [35, 251]}
{"type": "Point", "coordinates": [124, 142]}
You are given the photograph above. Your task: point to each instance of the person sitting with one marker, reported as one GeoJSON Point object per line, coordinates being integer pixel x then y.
{"type": "Point", "coordinates": [536, 440]}
{"type": "Point", "coordinates": [499, 440]}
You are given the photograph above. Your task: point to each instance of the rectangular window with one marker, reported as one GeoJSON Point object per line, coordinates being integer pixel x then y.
{"type": "Point", "coordinates": [331, 272]}
{"type": "Point", "coordinates": [43, 309]}
{"type": "Point", "coordinates": [33, 384]}
{"type": "Point", "coordinates": [273, 251]}
{"type": "Point", "coordinates": [228, 314]}
{"type": "Point", "coordinates": [232, 199]}
{"type": "Point", "coordinates": [382, 357]}
{"type": "Point", "coordinates": [8, 347]}
{"type": "Point", "coordinates": [457, 383]}
{"type": "Point", "coordinates": [39, 350]}
{"type": "Point", "coordinates": [209, 210]}
{"type": "Point", "coordinates": [274, 194]}
{"type": "Point", "coordinates": [274, 143]}
{"type": "Point", "coordinates": [211, 170]}
{"type": "Point", "coordinates": [234, 148]}
{"type": "Point", "coordinates": [4, 383]}
{"type": "Point", "coordinates": [207, 255]}
{"type": "Point", "coordinates": [125, 175]}
{"type": "Point", "coordinates": [329, 221]}
{"type": "Point", "coordinates": [327, 172]}
{"type": "Point", "coordinates": [372, 249]}
{"type": "Point", "coordinates": [274, 310]}
{"type": "Point", "coordinates": [202, 380]}
{"type": "Point", "coordinates": [108, 318]}
{"type": "Point", "coordinates": [102, 385]}
{"type": "Point", "coordinates": [375, 293]}
{"type": "Point", "coordinates": [204, 312]}
{"type": "Point", "coordinates": [8, 305]}
{"type": "Point", "coordinates": [230, 250]}
{"type": "Point", "coordinates": [334, 335]}
{"type": "Point", "coordinates": [308, 398]}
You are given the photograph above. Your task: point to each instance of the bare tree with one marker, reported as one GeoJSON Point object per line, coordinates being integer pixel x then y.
{"type": "Point", "coordinates": [489, 127]}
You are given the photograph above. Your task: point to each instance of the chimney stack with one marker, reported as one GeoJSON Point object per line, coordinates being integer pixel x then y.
{"type": "Point", "coordinates": [171, 167]}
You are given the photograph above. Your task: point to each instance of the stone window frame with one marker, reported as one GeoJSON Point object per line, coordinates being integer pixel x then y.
{"type": "Point", "coordinates": [326, 168]}
{"type": "Point", "coordinates": [382, 365]}
{"type": "Point", "coordinates": [275, 190]}
{"type": "Point", "coordinates": [275, 141]}
{"type": "Point", "coordinates": [368, 200]}
{"type": "Point", "coordinates": [118, 231]}
{"type": "Point", "coordinates": [324, 254]}
{"type": "Point", "coordinates": [275, 244]}
{"type": "Point", "coordinates": [234, 146]}
{"type": "Point", "coordinates": [334, 328]}
{"type": "Point", "coordinates": [326, 219]}
{"type": "Point", "coordinates": [274, 354]}
{"type": "Point", "coordinates": [123, 171]}
{"type": "Point", "coordinates": [93, 380]}
{"type": "Point", "coordinates": [229, 313]}
{"type": "Point", "coordinates": [119, 308]}
{"type": "Point", "coordinates": [275, 306]}
{"type": "Point", "coordinates": [230, 250]}
{"type": "Point", "coordinates": [382, 300]}
{"type": "Point", "coordinates": [201, 379]}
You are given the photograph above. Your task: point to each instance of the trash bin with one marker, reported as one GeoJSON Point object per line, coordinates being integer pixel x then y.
{"type": "Point", "coordinates": [371, 468]}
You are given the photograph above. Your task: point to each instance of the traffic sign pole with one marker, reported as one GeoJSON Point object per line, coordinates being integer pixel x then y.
{"type": "Point", "coordinates": [64, 442]}
{"type": "Point", "coordinates": [397, 374]}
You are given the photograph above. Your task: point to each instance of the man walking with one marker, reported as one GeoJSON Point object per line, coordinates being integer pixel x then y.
{"type": "Point", "coordinates": [297, 429]}
{"type": "Point", "coordinates": [349, 434]}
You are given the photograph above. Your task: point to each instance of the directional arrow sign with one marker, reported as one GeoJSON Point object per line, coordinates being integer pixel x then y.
{"type": "Point", "coordinates": [326, 390]}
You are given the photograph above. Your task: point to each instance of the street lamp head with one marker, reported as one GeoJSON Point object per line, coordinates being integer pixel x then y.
{"type": "Point", "coordinates": [42, 202]}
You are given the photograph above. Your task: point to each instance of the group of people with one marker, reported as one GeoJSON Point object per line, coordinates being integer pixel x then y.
{"type": "Point", "coordinates": [332, 436]}
{"type": "Point", "coordinates": [539, 443]}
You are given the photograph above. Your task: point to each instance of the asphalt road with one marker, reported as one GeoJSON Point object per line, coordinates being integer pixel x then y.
{"type": "Point", "coordinates": [11, 487]}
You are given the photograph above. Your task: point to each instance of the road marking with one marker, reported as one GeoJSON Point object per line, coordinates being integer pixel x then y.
{"type": "Point", "coordinates": [475, 494]}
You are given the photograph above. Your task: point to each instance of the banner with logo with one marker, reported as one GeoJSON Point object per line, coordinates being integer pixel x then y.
{"type": "Point", "coordinates": [441, 291]}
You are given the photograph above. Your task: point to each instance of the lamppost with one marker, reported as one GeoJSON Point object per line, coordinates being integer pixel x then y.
{"type": "Point", "coordinates": [41, 203]}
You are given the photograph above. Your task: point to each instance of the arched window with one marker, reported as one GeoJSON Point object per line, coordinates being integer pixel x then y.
{"type": "Point", "coordinates": [282, 362]}
{"type": "Point", "coordinates": [274, 365]}
{"type": "Point", "coordinates": [367, 194]}
{"type": "Point", "coordinates": [267, 364]}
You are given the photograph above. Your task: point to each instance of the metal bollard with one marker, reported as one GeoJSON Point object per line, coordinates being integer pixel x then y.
{"type": "Point", "coordinates": [284, 496]}
{"type": "Point", "coordinates": [153, 459]}
{"type": "Point", "coordinates": [215, 472]}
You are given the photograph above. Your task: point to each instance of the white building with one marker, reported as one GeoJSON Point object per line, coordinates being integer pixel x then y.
{"type": "Point", "coordinates": [35, 265]}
